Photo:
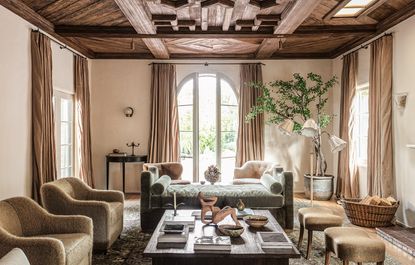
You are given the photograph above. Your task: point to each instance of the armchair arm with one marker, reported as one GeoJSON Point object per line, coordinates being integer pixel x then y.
{"type": "Point", "coordinates": [56, 224]}
{"type": "Point", "coordinates": [107, 196]}
{"type": "Point", "coordinates": [39, 250]}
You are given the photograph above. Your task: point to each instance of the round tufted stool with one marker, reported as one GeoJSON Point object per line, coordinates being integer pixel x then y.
{"type": "Point", "coordinates": [316, 219]}
{"type": "Point", "coordinates": [353, 244]}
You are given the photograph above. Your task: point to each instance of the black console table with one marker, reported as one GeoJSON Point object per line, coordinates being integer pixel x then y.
{"type": "Point", "coordinates": [123, 160]}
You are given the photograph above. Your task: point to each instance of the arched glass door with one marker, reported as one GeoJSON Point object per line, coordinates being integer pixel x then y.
{"type": "Point", "coordinates": [208, 123]}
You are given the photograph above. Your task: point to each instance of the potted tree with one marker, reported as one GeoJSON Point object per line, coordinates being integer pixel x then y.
{"type": "Point", "coordinates": [297, 106]}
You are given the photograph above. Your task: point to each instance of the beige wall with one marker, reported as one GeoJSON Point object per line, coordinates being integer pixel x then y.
{"type": "Point", "coordinates": [117, 84]}
{"type": "Point", "coordinates": [15, 101]}
{"type": "Point", "coordinates": [403, 120]}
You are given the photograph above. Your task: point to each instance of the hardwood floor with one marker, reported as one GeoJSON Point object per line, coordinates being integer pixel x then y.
{"type": "Point", "coordinates": [399, 255]}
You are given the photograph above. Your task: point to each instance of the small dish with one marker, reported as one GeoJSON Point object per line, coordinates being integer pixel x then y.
{"type": "Point", "coordinates": [231, 230]}
{"type": "Point", "coordinates": [256, 221]}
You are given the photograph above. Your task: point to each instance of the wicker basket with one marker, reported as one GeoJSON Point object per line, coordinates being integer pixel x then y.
{"type": "Point", "coordinates": [369, 215]}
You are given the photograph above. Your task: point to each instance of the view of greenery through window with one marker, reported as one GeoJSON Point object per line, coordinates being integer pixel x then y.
{"type": "Point", "coordinates": [216, 118]}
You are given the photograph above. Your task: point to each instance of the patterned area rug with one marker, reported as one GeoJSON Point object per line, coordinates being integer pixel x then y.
{"type": "Point", "coordinates": [129, 249]}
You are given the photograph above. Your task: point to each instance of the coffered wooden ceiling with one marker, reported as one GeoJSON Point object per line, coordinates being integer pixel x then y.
{"type": "Point", "coordinates": [231, 29]}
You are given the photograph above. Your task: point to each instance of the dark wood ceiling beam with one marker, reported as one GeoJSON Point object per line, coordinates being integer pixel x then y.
{"type": "Point", "coordinates": [214, 32]}
{"type": "Point", "coordinates": [25, 12]}
{"type": "Point", "coordinates": [263, 4]}
{"type": "Point", "coordinates": [161, 17]}
{"type": "Point", "coordinates": [207, 3]}
{"type": "Point", "coordinates": [292, 17]}
{"type": "Point", "coordinates": [382, 26]}
{"type": "Point", "coordinates": [174, 4]}
{"type": "Point", "coordinates": [136, 13]}
{"type": "Point", "coordinates": [278, 56]}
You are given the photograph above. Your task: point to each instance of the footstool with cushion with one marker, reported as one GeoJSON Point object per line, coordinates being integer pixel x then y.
{"type": "Point", "coordinates": [353, 244]}
{"type": "Point", "coordinates": [316, 219]}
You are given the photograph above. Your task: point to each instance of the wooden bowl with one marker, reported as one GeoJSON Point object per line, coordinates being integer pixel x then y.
{"type": "Point", "coordinates": [256, 221]}
{"type": "Point", "coordinates": [231, 230]}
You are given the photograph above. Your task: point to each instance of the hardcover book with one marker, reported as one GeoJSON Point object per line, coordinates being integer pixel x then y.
{"type": "Point", "coordinates": [213, 243]}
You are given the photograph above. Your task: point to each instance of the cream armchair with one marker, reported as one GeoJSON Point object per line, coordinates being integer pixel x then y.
{"type": "Point", "coordinates": [255, 169]}
{"type": "Point", "coordinates": [43, 237]}
{"type": "Point", "coordinates": [68, 196]}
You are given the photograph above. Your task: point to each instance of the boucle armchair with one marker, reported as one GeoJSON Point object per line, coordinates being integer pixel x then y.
{"type": "Point", "coordinates": [68, 196]}
{"type": "Point", "coordinates": [43, 237]}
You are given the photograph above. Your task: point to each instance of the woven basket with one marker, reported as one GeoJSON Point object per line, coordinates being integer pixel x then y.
{"type": "Point", "coordinates": [369, 215]}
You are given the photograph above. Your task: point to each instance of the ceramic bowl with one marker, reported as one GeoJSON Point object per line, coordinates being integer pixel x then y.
{"type": "Point", "coordinates": [256, 221]}
{"type": "Point", "coordinates": [231, 230]}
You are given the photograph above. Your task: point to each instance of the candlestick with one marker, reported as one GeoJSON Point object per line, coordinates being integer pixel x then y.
{"type": "Point", "coordinates": [174, 200]}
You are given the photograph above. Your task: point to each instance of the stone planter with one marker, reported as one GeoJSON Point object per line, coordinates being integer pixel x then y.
{"type": "Point", "coordinates": [323, 187]}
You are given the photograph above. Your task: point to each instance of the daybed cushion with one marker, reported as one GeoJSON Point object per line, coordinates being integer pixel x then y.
{"type": "Point", "coordinates": [160, 185]}
{"type": "Point", "coordinates": [253, 195]}
{"type": "Point", "coordinates": [271, 184]}
{"type": "Point", "coordinates": [245, 181]}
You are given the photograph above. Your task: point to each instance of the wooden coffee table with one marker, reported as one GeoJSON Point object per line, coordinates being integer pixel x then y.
{"type": "Point", "coordinates": [245, 249]}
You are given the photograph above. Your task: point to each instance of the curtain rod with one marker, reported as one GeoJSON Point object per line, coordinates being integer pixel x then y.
{"type": "Point", "coordinates": [366, 44]}
{"type": "Point", "coordinates": [61, 45]}
{"type": "Point", "coordinates": [207, 64]}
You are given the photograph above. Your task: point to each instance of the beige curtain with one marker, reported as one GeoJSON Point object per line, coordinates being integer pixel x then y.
{"type": "Point", "coordinates": [380, 149]}
{"type": "Point", "coordinates": [164, 134]}
{"type": "Point", "coordinates": [83, 119]}
{"type": "Point", "coordinates": [43, 127]}
{"type": "Point", "coordinates": [250, 143]}
{"type": "Point", "coordinates": [347, 173]}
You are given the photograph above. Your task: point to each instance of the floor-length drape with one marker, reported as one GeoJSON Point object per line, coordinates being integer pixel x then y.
{"type": "Point", "coordinates": [83, 119]}
{"type": "Point", "coordinates": [250, 143]}
{"type": "Point", "coordinates": [164, 134]}
{"type": "Point", "coordinates": [347, 173]}
{"type": "Point", "coordinates": [380, 149]}
{"type": "Point", "coordinates": [43, 125]}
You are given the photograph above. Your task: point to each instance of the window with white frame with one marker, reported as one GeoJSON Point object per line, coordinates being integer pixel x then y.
{"type": "Point", "coordinates": [208, 123]}
{"type": "Point", "coordinates": [64, 131]}
{"type": "Point", "coordinates": [362, 122]}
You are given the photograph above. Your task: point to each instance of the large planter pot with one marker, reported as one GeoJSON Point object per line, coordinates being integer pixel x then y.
{"type": "Point", "coordinates": [323, 187]}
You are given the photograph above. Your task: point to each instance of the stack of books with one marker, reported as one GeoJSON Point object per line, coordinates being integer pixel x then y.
{"type": "Point", "coordinates": [212, 244]}
{"type": "Point", "coordinates": [173, 236]}
{"type": "Point", "coordinates": [239, 214]}
{"type": "Point", "coordinates": [274, 242]}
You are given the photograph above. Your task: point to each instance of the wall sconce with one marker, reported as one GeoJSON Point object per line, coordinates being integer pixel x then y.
{"type": "Point", "coordinates": [128, 111]}
{"type": "Point", "coordinates": [400, 100]}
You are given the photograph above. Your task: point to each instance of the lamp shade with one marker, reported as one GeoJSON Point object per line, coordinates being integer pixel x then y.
{"type": "Point", "coordinates": [310, 128]}
{"type": "Point", "coordinates": [336, 144]}
{"type": "Point", "coordinates": [286, 127]}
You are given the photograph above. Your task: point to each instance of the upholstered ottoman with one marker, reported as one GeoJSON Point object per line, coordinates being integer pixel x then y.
{"type": "Point", "coordinates": [316, 219]}
{"type": "Point", "coordinates": [353, 244]}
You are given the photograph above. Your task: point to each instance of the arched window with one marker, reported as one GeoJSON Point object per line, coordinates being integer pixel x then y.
{"type": "Point", "coordinates": [208, 124]}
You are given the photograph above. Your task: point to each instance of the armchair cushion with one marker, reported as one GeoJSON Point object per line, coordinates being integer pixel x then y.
{"type": "Point", "coordinates": [271, 184]}
{"type": "Point", "coordinates": [160, 185]}
{"type": "Point", "coordinates": [76, 246]}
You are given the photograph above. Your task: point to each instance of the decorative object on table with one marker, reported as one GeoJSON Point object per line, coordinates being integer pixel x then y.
{"type": "Point", "coordinates": [189, 221]}
{"type": "Point", "coordinates": [217, 244]}
{"type": "Point", "coordinates": [115, 151]}
{"type": "Point", "coordinates": [256, 221]}
{"type": "Point", "coordinates": [245, 212]}
{"type": "Point", "coordinates": [291, 105]}
{"type": "Point", "coordinates": [119, 154]}
{"type": "Point", "coordinates": [202, 182]}
{"type": "Point", "coordinates": [133, 145]}
{"type": "Point", "coordinates": [369, 215]}
{"type": "Point", "coordinates": [240, 205]}
{"type": "Point", "coordinates": [231, 230]}
{"type": "Point", "coordinates": [212, 174]}
{"type": "Point", "coordinates": [208, 205]}
{"type": "Point", "coordinates": [274, 242]}
{"type": "Point", "coordinates": [174, 206]}
{"type": "Point", "coordinates": [128, 112]}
